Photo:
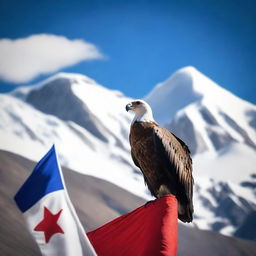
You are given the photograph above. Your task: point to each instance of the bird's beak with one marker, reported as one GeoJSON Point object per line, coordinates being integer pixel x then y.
{"type": "Point", "coordinates": [128, 107]}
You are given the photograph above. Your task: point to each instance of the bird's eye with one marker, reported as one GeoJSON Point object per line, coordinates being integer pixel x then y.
{"type": "Point", "coordinates": [137, 102]}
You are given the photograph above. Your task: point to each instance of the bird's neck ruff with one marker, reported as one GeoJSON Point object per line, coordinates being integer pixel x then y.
{"type": "Point", "coordinates": [143, 116]}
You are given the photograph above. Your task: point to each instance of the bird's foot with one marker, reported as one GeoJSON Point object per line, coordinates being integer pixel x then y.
{"type": "Point", "coordinates": [163, 191]}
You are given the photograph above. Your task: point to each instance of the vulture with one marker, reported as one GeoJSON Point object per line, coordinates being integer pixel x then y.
{"type": "Point", "coordinates": [163, 159]}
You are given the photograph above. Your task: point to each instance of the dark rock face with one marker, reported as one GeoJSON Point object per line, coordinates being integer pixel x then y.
{"type": "Point", "coordinates": [56, 98]}
{"type": "Point", "coordinates": [233, 208]}
{"type": "Point", "coordinates": [19, 121]}
{"type": "Point", "coordinates": [218, 225]}
{"type": "Point", "coordinates": [207, 116]}
{"type": "Point", "coordinates": [229, 209]}
{"type": "Point", "coordinates": [240, 130]}
{"type": "Point", "coordinates": [248, 229]}
{"type": "Point", "coordinates": [184, 129]}
{"type": "Point", "coordinates": [252, 115]}
{"type": "Point", "coordinates": [249, 184]}
{"type": "Point", "coordinates": [219, 140]}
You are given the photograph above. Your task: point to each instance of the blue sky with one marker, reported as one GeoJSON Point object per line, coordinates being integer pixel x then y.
{"type": "Point", "coordinates": [144, 42]}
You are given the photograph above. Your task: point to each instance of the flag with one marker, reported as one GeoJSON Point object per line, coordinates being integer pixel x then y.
{"type": "Point", "coordinates": [49, 213]}
{"type": "Point", "coordinates": [149, 230]}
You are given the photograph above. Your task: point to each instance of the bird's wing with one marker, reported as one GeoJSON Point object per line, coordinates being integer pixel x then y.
{"type": "Point", "coordinates": [174, 154]}
{"type": "Point", "coordinates": [135, 160]}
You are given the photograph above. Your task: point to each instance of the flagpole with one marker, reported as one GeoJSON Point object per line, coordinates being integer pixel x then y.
{"type": "Point", "coordinates": [73, 211]}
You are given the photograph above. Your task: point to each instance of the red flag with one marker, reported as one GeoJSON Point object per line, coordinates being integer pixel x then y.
{"type": "Point", "coordinates": [149, 230]}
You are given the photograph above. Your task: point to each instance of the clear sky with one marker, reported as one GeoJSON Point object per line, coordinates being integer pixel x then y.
{"type": "Point", "coordinates": [143, 41]}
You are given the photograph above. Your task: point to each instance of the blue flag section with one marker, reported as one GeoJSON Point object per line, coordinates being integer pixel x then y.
{"type": "Point", "coordinates": [44, 179]}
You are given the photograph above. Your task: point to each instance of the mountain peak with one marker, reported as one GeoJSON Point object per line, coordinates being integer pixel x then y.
{"type": "Point", "coordinates": [70, 76]}
{"type": "Point", "coordinates": [188, 69]}
{"type": "Point", "coordinates": [185, 86]}
{"type": "Point", "coordinates": [60, 79]}
{"type": "Point", "coordinates": [191, 77]}
{"type": "Point", "coordinates": [196, 109]}
{"type": "Point", "coordinates": [78, 98]}
{"type": "Point", "coordinates": [188, 86]}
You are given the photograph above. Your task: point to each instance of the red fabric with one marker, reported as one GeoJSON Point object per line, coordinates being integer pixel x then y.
{"type": "Point", "coordinates": [149, 230]}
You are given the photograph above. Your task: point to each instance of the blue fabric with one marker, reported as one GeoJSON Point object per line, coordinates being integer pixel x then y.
{"type": "Point", "coordinates": [44, 179]}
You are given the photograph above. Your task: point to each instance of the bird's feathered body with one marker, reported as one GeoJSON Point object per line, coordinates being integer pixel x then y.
{"type": "Point", "coordinates": [165, 163]}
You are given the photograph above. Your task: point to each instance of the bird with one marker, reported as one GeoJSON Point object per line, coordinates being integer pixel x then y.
{"type": "Point", "coordinates": [163, 158]}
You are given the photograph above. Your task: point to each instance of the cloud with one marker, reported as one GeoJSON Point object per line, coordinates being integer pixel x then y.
{"type": "Point", "coordinates": [26, 58]}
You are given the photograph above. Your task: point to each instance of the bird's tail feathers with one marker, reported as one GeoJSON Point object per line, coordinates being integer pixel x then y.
{"type": "Point", "coordinates": [185, 212]}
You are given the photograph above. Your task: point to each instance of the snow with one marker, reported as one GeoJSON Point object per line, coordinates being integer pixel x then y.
{"type": "Point", "coordinates": [29, 132]}
{"type": "Point", "coordinates": [23, 91]}
{"type": "Point", "coordinates": [190, 93]}
{"type": "Point", "coordinates": [189, 86]}
{"type": "Point", "coordinates": [228, 230]}
{"type": "Point", "coordinates": [104, 104]}
{"type": "Point", "coordinates": [242, 191]}
{"type": "Point", "coordinates": [234, 163]}
{"type": "Point", "coordinates": [192, 112]}
{"type": "Point", "coordinates": [225, 150]}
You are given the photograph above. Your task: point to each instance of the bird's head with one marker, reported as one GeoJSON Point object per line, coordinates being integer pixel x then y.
{"type": "Point", "coordinates": [142, 110]}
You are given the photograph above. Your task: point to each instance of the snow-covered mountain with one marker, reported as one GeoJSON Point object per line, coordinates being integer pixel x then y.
{"type": "Point", "coordinates": [87, 122]}
{"type": "Point", "coordinates": [205, 115]}
{"type": "Point", "coordinates": [219, 127]}
{"type": "Point", "coordinates": [220, 130]}
{"type": "Point", "coordinates": [90, 127]}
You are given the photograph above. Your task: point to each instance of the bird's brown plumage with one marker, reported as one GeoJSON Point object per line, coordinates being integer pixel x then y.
{"type": "Point", "coordinates": [165, 163]}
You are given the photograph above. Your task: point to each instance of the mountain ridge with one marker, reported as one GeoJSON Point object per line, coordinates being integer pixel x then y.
{"type": "Point", "coordinates": [215, 116]}
{"type": "Point", "coordinates": [103, 150]}
{"type": "Point", "coordinates": [196, 85]}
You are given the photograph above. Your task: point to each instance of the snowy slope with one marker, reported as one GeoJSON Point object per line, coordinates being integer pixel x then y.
{"type": "Point", "coordinates": [207, 117]}
{"type": "Point", "coordinates": [89, 125]}
{"type": "Point", "coordinates": [220, 130]}
{"type": "Point", "coordinates": [30, 132]}
{"type": "Point", "coordinates": [77, 98]}
{"type": "Point", "coordinates": [218, 126]}
{"type": "Point", "coordinates": [222, 206]}
{"type": "Point", "coordinates": [189, 86]}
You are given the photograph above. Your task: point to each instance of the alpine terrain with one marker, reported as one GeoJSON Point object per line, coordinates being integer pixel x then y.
{"type": "Point", "coordinates": [90, 127]}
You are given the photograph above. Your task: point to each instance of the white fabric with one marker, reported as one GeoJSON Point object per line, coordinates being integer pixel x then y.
{"type": "Point", "coordinates": [73, 242]}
